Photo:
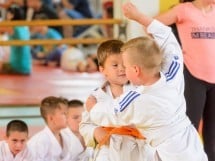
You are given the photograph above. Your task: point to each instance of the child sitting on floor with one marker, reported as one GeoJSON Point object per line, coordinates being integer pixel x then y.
{"type": "Point", "coordinates": [51, 144]}
{"type": "Point", "coordinates": [79, 151]}
{"type": "Point", "coordinates": [14, 147]}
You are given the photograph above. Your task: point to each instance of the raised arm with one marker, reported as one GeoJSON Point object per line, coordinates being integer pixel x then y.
{"type": "Point", "coordinates": [168, 44]}
{"type": "Point", "coordinates": [167, 18]}
{"type": "Point", "coordinates": [173, 60]}
{"type": "Point", "coordinates": [131, 12]}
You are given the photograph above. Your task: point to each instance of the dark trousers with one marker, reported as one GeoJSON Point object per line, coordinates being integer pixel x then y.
{"type": "Point", "coordinates": [200, 99]}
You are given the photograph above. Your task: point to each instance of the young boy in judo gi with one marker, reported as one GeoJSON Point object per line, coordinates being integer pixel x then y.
{"type": "Point", "coordinates": [157, 106]}
{"type": "Point", "coordinates": [14, 147]}
{"type": "Point", "coordinates": [50, 144]}
{"type": "Point", "coordinates": [111, 66]}
{"type": "Point", "coordinates": [79, 152]}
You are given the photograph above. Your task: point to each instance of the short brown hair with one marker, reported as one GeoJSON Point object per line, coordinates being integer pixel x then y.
{"type": "Point", "coordinates": [75, 103]}
{"type": "Point", "coordinates": [145, 52]}
{"type": "Point", "coordinates": [16, 125]}
{"type": "Point", "coordinates": [50, 104]}
{"type": "Point", "coordinates": [108, 48]}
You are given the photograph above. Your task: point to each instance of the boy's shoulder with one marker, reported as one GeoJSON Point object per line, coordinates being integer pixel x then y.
{"type": "Point", "coordinates": [2, 143]}
{"type": "Point", "coordinates": [4, 149]}
{"type": "Point", "coordinates": [41, 136]}
{"type": "Point", "coordinates": [129, 87]}
{"type": "Point", "coordinates": [67, 134]}
{"type": "Point", "coordinates": [101, 91]}
{"type": "Point", "coordinates": [71, 141]}
{"type": "Point", "coordinates": [105, 88]}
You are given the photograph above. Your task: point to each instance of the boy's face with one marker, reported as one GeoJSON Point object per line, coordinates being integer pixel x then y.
{"type": "Point", "coordinates": [17, 141]}
{"type": "Point", "coordinates": [59, 117]}
{"type": "Point", "coordinates": [74, 118]}
{"type": "Point", "coordinates": [131, 72]}
{"type": "Point", "coordinates": [114, 70]}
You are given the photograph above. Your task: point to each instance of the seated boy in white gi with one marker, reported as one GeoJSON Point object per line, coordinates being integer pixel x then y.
{"type": "Point", "coordinates": [14, 147]}
{"type": "Point", "coordinates": [157, 106]}
{"type": "Point", "coordinates": [78, 152]}
{"type": "Point", "coordinates": [50, 144]}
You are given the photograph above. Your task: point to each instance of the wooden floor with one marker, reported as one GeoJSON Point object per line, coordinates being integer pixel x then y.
{"type": "Point", "coordinates": [43, 82]}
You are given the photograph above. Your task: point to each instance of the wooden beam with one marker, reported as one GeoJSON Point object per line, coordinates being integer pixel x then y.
{"type": "Point", "coordinates": [71, 41]}
{"type": "Point", "coordinates": [60, 22]}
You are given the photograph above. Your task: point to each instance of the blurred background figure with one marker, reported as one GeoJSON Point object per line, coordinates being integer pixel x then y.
{"type": "Point", "coordinates": [46, 54]}
{"type": "Point", "coordinates": [20, 61]}
{"type": "Point", "coordinates": [73, 59]}
{"type": "Point", "coordinates": [107, 13]}
{"type": "Point", "coordinates": [41, 8]}
{"type": "Point", "coordinates": [74, 9]}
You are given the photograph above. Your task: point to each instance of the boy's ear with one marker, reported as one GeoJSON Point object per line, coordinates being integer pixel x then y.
{"type": "Point", "coordinates": [136, 70]}
{"type": "Point", "coordinates": [49, 117]}
{"type": "Point", "coordinates": [101, 69]}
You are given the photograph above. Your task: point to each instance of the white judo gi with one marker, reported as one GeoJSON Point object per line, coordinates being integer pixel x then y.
{"type": "Point", "coordinates": [158, 111]}
{"type": "Point", "coordinates": [88, 126]}
{"type": "Point", "coordinates": [76, 150]}
{"type": "Point", "coordinates": [6, 155]}
{"type": "Point", "coordinates": [46, 147]}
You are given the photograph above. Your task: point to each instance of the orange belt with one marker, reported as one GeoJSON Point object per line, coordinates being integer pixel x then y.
{"type": "Point", "coordinates": [124, 130]}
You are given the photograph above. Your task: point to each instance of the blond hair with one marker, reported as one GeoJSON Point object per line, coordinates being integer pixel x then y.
{"type": "Point", "coordinates": [50, 104]}
{"type": "Point", "coordinates": [145, 52]}
{"type": "Point", "coordinates": [107, 48]}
